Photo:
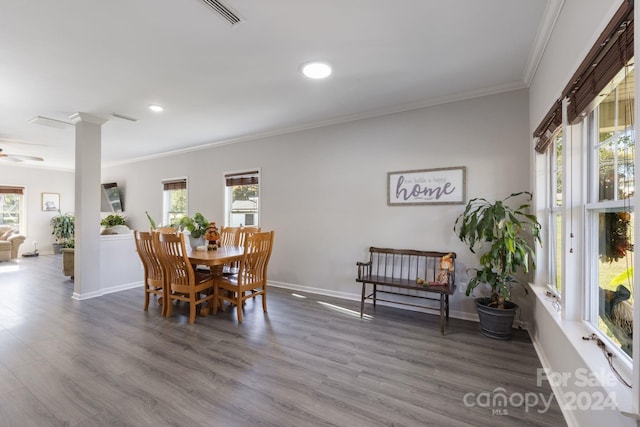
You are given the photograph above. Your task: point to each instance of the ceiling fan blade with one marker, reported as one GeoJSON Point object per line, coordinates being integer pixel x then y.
{"type": "Point", "coordinates": [9, 158]}
{"type": "Point", "coordinates": [7, 140]}
{"type": "Point", "coordinates": [19, 157]}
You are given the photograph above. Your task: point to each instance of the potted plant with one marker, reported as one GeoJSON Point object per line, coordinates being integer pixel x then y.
{"type": "Point", "coordinates": [196, 227]}
{"type": "Point", "coordinates": [509, 233]}
{"type": "Point", "coordinates": [114, 224]}
{"type": "Point", "coordinates": [63, 229]}
{"type": "Point", "coordinates": [112, 220]}
{"type": "Point", "coordinates": [68, 257]}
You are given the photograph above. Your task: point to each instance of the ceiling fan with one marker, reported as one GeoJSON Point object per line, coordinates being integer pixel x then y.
{"type": "Point", "coordinates": [18, 157]}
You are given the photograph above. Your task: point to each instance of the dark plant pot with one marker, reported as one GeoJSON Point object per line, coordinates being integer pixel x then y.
{"type": "Point", "coordinates": [494, 322]}
{"type": "Point", "coordinates": [57, 248]}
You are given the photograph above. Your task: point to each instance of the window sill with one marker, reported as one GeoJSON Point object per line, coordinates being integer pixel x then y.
{"type": "Point", "coordinates": [590, 353]}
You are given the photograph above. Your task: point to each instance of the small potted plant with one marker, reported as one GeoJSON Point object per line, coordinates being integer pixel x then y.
{"type": "Point", "coordinates": [63, 229]}
{"type": "Point", "coordinates": [114, 224]}
{"type": "Point", "coordinates": [196, 227]}
{"type": "Point", "coordinates": [508, 233]}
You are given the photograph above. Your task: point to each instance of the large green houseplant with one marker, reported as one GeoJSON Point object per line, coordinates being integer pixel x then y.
{"type": "Point", "coordinates": [508, 234]}
{"type": "Point", "coordinates": [63, 229]}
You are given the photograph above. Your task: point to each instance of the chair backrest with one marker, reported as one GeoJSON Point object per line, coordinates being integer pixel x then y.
{"type": "Point", "coordinates": [229, 236]}
{"type": "Point", "coordinates": [148, 256]}
{"type": "Point", "coordinates": [169, 230]}
{"type": "Point", "coordinates": [253, 265]}
{"type": "Point", "coordinates": [244, 231]}
{"type": "Point", "coordinates": [172, 252]}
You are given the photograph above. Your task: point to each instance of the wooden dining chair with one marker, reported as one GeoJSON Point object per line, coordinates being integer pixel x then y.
{"type": "Point", "coordinates": [251, 279]}
{"type": "Point", "coordinates": [183, 282]}
{"type": "Point", "coordinates": [244, 231]}
{"type": "Point", "coordinates": [153, 275]}
{"type": "Point", "coordinates": [229, 236]}
{"type": "Point", "coordinates": [169, 230]}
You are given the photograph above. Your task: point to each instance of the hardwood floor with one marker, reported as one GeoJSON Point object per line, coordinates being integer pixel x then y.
{"type": "Point", "coordinates": [311, 361]}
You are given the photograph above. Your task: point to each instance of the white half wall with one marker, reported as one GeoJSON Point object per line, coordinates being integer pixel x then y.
{"type": "Point", "coordinates": [324, 191]}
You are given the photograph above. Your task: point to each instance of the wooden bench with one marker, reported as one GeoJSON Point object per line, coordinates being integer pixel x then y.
{"type": "Point", "coordinates": [423, 273]}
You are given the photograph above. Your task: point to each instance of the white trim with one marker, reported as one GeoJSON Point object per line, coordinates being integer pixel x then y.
{"type": "Point", "coordinates": [569, 416]}
{"type": "Point", "coordinates": [545, 30]}
{"type": "Point", "coordinates": [105, 291]}
{"type": "Point", "coordinates": [591, 355]}
{"type": "Point", "coordinates": [356, 297]}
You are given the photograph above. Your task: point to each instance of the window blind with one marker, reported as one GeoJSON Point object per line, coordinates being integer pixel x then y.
{"type": "Point", "coordinates": [178, 184]}
{"type": "Point", "coordinates": [11, 190]}
{"type": "Point", "coordinates": [242, 178]}
{"type": "Point", "coordinates": [610, 54]}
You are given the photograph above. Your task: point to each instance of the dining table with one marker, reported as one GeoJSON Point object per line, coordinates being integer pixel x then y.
{"type": "Point", "coordinates": [220, 256]}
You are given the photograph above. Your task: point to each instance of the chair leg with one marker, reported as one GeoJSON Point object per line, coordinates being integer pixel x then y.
{"type": "Point", "coordinates": [192, 308]}
{"type": "Point", "coordinates": [146, 297]}
{"type": "Point", "coordinates": [239, 306]}
{"type": "Point", "coordinates": [165, 300]}
{"type": "Point", "coordinates": [264, 300]}
{"type": "Point", "coordinates": [169, 307]}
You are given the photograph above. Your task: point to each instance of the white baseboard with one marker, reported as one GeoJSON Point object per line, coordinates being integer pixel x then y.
{"type": "Point", "coordinates": [356, 297]}
{"type": "Point", "coordinates": [557, 391]}
{"type": "Point", "coordinates": [105, 291]}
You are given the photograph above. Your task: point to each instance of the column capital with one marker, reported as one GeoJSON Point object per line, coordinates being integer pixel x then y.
{"type": "Point", "coordinates": [84, 117]}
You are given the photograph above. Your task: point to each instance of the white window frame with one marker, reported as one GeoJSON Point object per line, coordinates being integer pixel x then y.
{"type": "Point", "coordinates": [228, 196]}
{"type": "Point", "coordinates": [593, 207]}
{"type": "Point", "coordinates": [166, 199]}
{"type": "Point", "coordinates": [553, 211]}
{"type": "Point", "coordinates": [22, 209]}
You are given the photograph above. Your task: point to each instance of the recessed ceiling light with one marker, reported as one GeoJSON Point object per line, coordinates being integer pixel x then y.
{"type": "Point", "coordinates": [156, 108]}
{"type": "Point", "coordinates": [316, 70]}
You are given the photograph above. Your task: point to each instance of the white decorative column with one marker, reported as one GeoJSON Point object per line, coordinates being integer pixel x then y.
{"type": "Point", "coordinates": [87, 207]}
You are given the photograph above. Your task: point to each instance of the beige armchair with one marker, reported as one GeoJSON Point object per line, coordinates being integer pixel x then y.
{"type": "Point", "coordinates": [9, 243]}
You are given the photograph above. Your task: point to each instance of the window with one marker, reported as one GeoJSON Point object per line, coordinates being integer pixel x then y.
{"type": "Point", "coordinates": [11, 207]}
{"type": "Point", "coordinates": [610, 213]}
{"type": "Point", "coordinates": [174, 204]}
{"type": "Point", "coordinates": [555, 212]}
{"type": "Point", "coordinates": [242, 199]}
{"type": "Point", "coordinates": [596, 159]}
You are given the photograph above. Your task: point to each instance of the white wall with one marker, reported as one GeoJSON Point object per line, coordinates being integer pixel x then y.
{"type": "Point", "coordinates": [324, 190]}
{"type": "Point", "coordinates": [36, 181]}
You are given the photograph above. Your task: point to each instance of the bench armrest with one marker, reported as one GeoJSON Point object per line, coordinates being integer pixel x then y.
{"type": "Point", "coordinates": [364, 268]}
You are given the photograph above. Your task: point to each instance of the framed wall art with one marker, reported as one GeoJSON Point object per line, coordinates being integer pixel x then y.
{"type": "Point", "coordinates": [50, 201]}
{"type": "Point", "coordinates": [427, 186]}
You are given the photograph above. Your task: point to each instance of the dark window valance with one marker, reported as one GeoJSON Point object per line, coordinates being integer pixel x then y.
{"type": "Point", "coordinates": [610, 54]}
{"type": "Point", "coordinates": [241, 178]}
{"type": "Point", "coordinates": [178, 184]}
{"type": "Point", "coordinates": [11, 190]}
{"type": "Point", "coordinates": [546, 129]}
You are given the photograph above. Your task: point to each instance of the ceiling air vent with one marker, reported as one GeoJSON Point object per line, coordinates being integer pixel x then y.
{"type": "Point", "coordinates": [223, 10]}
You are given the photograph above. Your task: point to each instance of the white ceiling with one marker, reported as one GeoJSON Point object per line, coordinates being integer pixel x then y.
{"type": "Point", "coordinates": [220, 83]}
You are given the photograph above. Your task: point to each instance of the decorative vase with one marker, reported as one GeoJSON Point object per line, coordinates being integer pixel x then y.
{"type": "Point", "coordinates": [196, 241]}
{"type": "Point", "coordinates": [496, 322]}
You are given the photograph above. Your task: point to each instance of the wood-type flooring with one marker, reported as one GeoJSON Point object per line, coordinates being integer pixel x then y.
{"type": "Point", "coordinates": [311, 361]}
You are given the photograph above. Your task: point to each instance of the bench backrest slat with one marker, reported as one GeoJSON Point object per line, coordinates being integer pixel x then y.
{"type": "Point", "coordinates": [408, 264]}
